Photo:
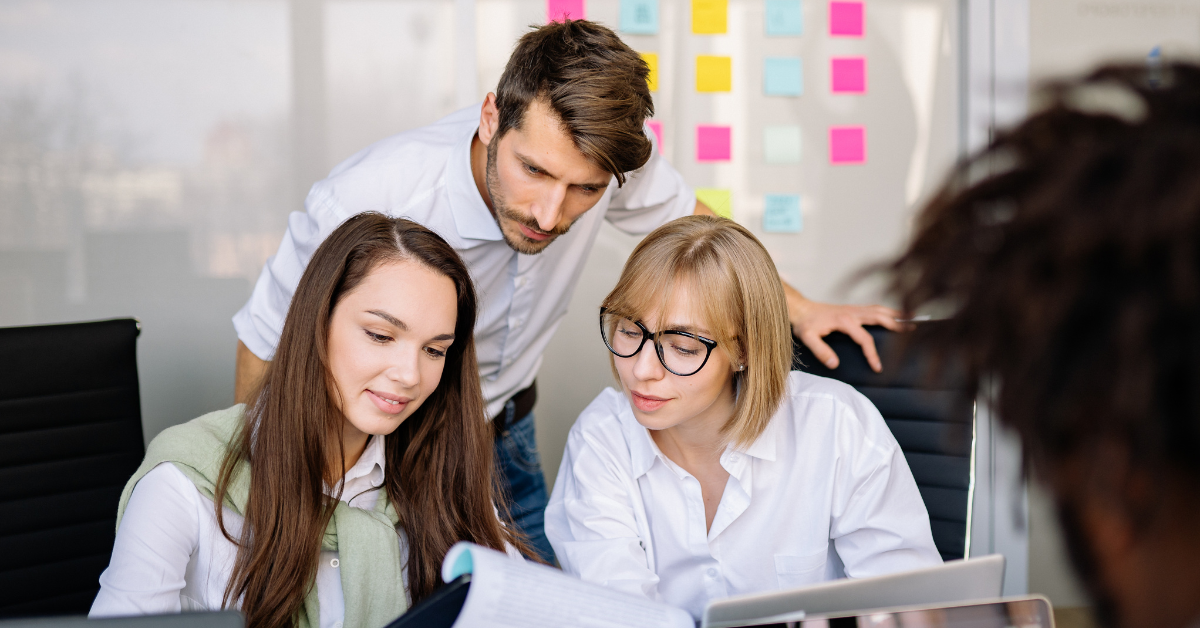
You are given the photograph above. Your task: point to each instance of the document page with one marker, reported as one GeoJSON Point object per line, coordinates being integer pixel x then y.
{"type": "Point", "coordinates": [508, 593]}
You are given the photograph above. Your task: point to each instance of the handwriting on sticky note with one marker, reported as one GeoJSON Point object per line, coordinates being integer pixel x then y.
{"type": "Point", "coordinates": [710, 17]}
{"type": "Point", "coordinates": [651, 60]}
{"type": "Point", "coordinates": [639, 17]}
{"type": "Point", "coordinates": [714, 74]}
{"type": "Point", "coordinates": [848, 75]}
{"type": "Point", "coordinates": [656, 128]}
{"type": "Point", "coordinates": [847, 145]}
{"type": "Point", "coordinates": [782, 76]}
{"type": "Point", "coordinates": [781, 144]}
{"type": "Point", "coordinates": [781, 213]}
{"type": "Point", "coordinates": [784, 18]}
{"type": "Point", "coordinates": [846, 19]}
{"type": "Point", "coordinates": [718, 200]}
{"type": "Point", "coordinates": [713, 142]}
{"type": "Point", "coordinates": [558, 10]}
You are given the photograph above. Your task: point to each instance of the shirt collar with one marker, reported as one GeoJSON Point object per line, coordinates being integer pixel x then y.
{"type": "Point", "coordinates": [370, 464]}
{"type": "Point", "coordinates": [764, 447]}
{"type": "Point", "coordinates": [472, 217]}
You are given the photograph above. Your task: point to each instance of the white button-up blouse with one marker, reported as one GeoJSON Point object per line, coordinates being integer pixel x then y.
{"type": "Point", "coordinates": [170, 556]}
{"type": "Point", "coordinates": [823, 493]}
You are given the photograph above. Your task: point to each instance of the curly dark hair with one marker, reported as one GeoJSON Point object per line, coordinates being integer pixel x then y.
{"type": "Point", "coordinates": [1068, 254]}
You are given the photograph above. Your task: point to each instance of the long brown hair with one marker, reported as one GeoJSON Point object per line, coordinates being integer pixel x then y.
{"type": "Point", "coordinates": [439, 470]}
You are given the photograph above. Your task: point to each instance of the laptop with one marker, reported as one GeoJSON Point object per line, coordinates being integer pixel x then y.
{"type": "Point", "coordinates": [222, 619]}
{"type": "Point", "coordinates": [955, 581]}
{"type": "Point", "coordinates": [1029, 611]}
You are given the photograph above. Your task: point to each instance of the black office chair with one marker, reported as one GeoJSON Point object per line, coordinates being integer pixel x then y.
{"type": "Point", "coordinates": [70, 437]}
{"type": "Point", "coordinates": [932, 416]}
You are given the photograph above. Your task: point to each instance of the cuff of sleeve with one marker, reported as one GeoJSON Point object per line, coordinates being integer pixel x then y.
{"type": "Point", "coordinates": [247, 332]}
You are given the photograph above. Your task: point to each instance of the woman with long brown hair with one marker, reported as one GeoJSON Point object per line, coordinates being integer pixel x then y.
{"type": "Point", "coordinates": [361, 459]}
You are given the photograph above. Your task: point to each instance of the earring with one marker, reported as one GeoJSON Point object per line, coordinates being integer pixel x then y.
{"type": "Point", "coordinates": [741, 367]}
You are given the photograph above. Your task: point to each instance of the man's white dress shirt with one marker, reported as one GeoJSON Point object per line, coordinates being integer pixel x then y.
{"type": "Point", "coordinates": [425, 175]}
{"type": "Point", "coordinates": [170, 555]}
{"type": "Point", "coordinates": [823, 493]}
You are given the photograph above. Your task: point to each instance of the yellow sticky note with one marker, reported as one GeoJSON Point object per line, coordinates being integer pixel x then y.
{"type": "Point", "coordinates": [709, 16]}
{"type": "Point", "coordinates": [651, 59]}
{"type": "Point", "coordinates": [718, 200]}
{"type": "Point", "coordinates": [714, 74]}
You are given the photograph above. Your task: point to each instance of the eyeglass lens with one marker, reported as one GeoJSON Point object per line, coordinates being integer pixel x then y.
{"type": "Point", "coordinates": [681, 354]}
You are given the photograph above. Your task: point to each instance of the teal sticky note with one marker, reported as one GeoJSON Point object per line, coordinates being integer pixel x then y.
{"type": "Point", "coordinates": [784, 18]}
{"type": "Point", "coordinates": [781, 144]}
{"type": "Point", "coordinates": [639, 17]}
{"type": "Point", "coordinates": [783, 76]}
{"type": "Point", "coordinates": [781, 214]}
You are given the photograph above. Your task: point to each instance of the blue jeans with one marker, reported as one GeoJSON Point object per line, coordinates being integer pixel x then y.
{"type": "Point", "coordinates": [523, 482]}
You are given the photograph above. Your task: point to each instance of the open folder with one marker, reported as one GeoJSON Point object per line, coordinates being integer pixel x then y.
{"type": "Point", "coordinates": [486, 588]}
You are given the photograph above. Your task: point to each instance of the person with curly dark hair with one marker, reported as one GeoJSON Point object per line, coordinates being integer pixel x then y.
{"type": "Point", "coordinates": [1068, 253]}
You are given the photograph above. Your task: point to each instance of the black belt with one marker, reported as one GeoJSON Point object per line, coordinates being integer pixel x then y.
{"type": "Point", "coordinates": [523, 402]}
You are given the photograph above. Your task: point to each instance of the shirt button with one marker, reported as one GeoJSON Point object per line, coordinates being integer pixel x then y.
{"type": "Point", "coordinates": [712, 573]}
{"type": "Point", "coordinates": [521, 281]}
{"type": "Point", "coordinates": [337, 624]}
{"type": "Point", "coordinates": [334, 563]}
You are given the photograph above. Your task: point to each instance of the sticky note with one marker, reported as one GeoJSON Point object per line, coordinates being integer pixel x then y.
{"type": "Point", "coordinates": [718, 200]}
{"type": "Point", "coordinates": [557, 10]}
{"type": "Point", "coordinates": [782, 76]}
{"type": "Point", "coordinates": [847, 145]}
{"type": "Point", "coordinates": [709, 17]}
{"type": "Point", "coordinates": [781, 144]}
{"type": "Point", "coordinates": [784, 18]}
{"type": "Point", "coordinates": [656, 128]}
{"type": "Point", "coordinates": [846, 19]}
{"type": "Point", "coordinates": [781, 213]}
{"type": "Point", "coordinates": [651, 60]}
{"type": "Point", "coordinates": [639, 17]}
{"type": "Point", "coordinates": [848, 75]}
{"type": "Point", "coordinates": [712, 142]}
{"type": "Point", "coordinates": [714, 74]}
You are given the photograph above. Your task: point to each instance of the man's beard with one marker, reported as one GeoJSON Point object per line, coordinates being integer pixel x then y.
{"type": "Point", "coordinates": [517, 242]}
{"type": "Point", "coordinates": [1083, 560]}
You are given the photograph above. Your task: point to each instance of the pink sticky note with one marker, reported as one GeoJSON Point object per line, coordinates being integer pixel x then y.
{"type": "Point", "coordinates": [656, 127]}
{"type": "Point", "coordinates": [849, 75]}
{"type": "Point", "coordinates": [558, 10]}
{"type": "Point", "coordinates": [712, 143]}
{"type": "Point", "coordinates": [846, 19]}
{"type": "Point", "coordinates": [847, 144]}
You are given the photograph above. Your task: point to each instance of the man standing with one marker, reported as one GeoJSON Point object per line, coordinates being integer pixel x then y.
{"type": "Point", "coordinates": [519, 187]}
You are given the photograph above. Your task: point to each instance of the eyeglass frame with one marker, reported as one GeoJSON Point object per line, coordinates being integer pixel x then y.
{"type": "Point", "coordinates": [709, 345]}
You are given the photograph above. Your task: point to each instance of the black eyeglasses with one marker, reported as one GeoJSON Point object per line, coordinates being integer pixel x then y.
{"type": "Point", "coordinates": [680, 352]}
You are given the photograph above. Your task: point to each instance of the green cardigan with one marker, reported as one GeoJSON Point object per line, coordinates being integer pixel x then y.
{"type": "Point", "coordinates": [366, 541]}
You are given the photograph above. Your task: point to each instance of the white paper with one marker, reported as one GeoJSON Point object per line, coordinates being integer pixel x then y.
{"type": "Point", "coordinates": [509, 593]}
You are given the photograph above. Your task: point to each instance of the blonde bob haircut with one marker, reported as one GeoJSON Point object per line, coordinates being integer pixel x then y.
{"type": "Point", "coordinates": [737, 295]}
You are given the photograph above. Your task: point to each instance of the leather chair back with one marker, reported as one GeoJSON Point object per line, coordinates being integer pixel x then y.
{"type": "Point", "coordinates": [70, 437]}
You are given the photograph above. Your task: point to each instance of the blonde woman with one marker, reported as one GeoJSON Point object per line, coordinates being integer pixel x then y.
{"type": "Point", "coordinates": [713, 471]}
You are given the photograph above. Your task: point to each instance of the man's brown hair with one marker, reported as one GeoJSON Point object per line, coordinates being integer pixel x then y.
{"type": "Point", "coordinates": [592, 81]}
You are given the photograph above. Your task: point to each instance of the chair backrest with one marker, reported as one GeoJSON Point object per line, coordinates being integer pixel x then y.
{"type": "Point", "coordinates": [932, 416]}
{"type": "Point", "coordinates": [70, 437]}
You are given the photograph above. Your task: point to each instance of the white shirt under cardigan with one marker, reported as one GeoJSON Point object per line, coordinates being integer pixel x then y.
{"type": "Point", "coordinates": [425, 175]}
{"type": "Point", "coordinates": [170, 556]}
{"type": "Point", "coordinates": [824, 492]}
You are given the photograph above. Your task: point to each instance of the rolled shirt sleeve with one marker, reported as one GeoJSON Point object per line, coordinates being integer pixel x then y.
{"type": "Point", "coordinates": [260, 321]}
